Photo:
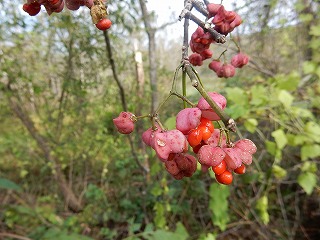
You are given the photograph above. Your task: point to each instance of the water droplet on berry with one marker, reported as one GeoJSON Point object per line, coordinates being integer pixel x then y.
{"type": "Point", "coordinates": [161, 143]}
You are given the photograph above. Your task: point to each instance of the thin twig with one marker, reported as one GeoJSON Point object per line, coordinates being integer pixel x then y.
{"type": "Point", "coordinates": [15, 236]}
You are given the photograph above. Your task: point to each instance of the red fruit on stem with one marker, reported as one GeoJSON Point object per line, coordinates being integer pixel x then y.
{"type": "Point", "coordinates": [219, 169]}
{"type": "Point", "coordinates": [240, 170]}
{"type": "Point", "coordinates": [104, 24]}
{"type": "Point", "coordinates": [206, 133]}
{"type": "Point", "coordinates": [206, 54]}
{"type": "Point", "coordinates": [239, 60]}
{"type": "Point", "coordinates": [195, 59]}
{"type": "Point", "coordinates": [206, 123]}
{"type": "Point", "coordinates": [227, 70]}
{"type": "Point", "coordinates": [195, 137]}
{"type": "Point", "coordinates": [225, 177]}
{"type": "Point", "coordinates": [215, 65]}
{"type": "Point", "coordinates": [213, 9]}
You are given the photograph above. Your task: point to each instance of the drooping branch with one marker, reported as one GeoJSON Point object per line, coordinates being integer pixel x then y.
{"type": "Point", "coordinates": [114, 71]}
{"type": "Point", "coordinates": [122, 94]}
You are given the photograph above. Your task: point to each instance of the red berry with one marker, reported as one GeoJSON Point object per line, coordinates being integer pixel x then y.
{"type": "Point", "coordinates": [195, 137]}
{"type": "Point", "coordinates": [32, 9]}
{"type": "Point", "coordinates": [197, 148]}
{"type": "Point", "coordinates": [225, 178]}
{"type": "Point", "coordinates": [206, 134]}
{"type": "Point", "coordinates": [240, 170]}
{"type": "Point", "coordinates": [195, 59]}
{"type": "Point", "coordinates": [53, 2]}
{"type": "Point", "coordinates": [219, 169]}
{"type": "Point", "coordinates": [104, 24]}
{"type": "Point", "coordinates": [207, 123]}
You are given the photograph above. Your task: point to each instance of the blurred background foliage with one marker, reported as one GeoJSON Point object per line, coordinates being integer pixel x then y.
{"type": "Point", "coordinates": [65, 173]}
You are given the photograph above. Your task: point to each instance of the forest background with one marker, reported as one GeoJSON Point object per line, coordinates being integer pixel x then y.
{"type": "Point", "coordinates": [66, 173]}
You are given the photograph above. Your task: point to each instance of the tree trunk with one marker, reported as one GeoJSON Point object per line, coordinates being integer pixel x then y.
{"type": "Point", "coordinates": [151, 32]}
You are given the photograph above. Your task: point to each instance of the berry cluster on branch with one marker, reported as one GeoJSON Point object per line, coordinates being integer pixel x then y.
{"type": "Point", "coordinates": [202, 131]}
{"type": "Point", "coordinates": [195, 130]}
{"type": "Point", "coordinates": [220, 22]}
{"type": "Point", "coordinates": [98, 9]}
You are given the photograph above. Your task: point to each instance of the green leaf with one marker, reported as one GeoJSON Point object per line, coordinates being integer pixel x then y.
{"type": "Point", "coordinates": [170, 123]}
{"type": "Point", "coordinates": [179, 234]}
{"type": "Point", "coordinates": [309, 67]}
{"type": "Point", "coordinates": [271, 147]}
{"type": "Point", "coordinates": [251, 124]}
{"type": "Point", "coordinates": [300, 139]}
{"type": "Point", "coordinates": [218, 204]}
{"type": "Point", "coordinates": [280, 138]}
{"type": "Point", "coordinates": [262, 208]}
{"type": "Point", "coordinates": [237, 95]}
{"type": "Point", "coordinates": [9, 185]}
{"type": "Point", "coordinates": [309, 167]}
{"type": "Point", "coordinates": [156, 190]}
{"type": "Point", "coordinates": [313, 131]}
{"type": "Point", "coordinates": [288, 82]}
{"type": "Point", "coordinates": [307, 181]}
{"type": "Point", "coordinates": [302, 112]}
{"type": "Point", "coordinates": [279, 172]}
{"type": "Point", "coordinates": [310, 151]}
{"type": "Point", "coordinates": [236, 111]}
{"type": "Point", "coordinates": [258, 95]}
{"type": "Point", "coordinates": [285, 98]}
{"type": "Point", "coordinates": [159, 219]}
{"type": "Point", "coordinates": [315, 30]}
{"type": "Point", "coordinates": [181, 231]}
{"type": "Point", "coordinates": [306, 17]}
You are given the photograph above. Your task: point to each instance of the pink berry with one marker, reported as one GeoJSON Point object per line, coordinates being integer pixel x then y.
{"type": "Point", "coordinates": [124, 122]}
{"type": "Point", "coordinates": [215, 65]}
{"type": "Point", "coordinates": [187, 119]}
{"type": "Point", "coordinates": [206, 54]}
{"type": "Point", "coordinates": [246, 145]}
{"type": "Point", "coordinates": [215, 138]}
{"type": "Point", "coordinates": [210, 155]}
{"type": "Point", "coordinates": [172, 141]}
{"type": "Point", "coordinates": [227, 70]}
{"type": "Point", "coordinates": [207, 111]}
{"type": "Point", "coordinates": [232, 158]}
{"type": "Point", "coordinates": [195, 59]}
{"type": "Point", "coordinates": [213, 9]}
{"type": "Point", "coordinates": [239, 60]}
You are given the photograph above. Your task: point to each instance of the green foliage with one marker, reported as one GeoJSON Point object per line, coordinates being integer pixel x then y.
{"type": "Point", "coordinates": [180, 233]}
{"type": "Point", "coordinates": [219, 205]}
{"type": "Point", "coordinates": [9, 185]}
{"type": "Point", "coordinates": [262, 208]}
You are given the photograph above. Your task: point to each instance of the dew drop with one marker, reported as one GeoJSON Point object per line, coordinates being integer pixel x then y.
{"type": "Point", "coordinates": [161, 143]}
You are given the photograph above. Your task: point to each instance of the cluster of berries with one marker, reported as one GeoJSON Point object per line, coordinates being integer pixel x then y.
{"type": "Point", "coordinates": [33, 7]}
{"type": "Point", "coordinates": [224, 23]}
{"type": "Point", "coordinates": [194, 128]}
{"type": "Point", "coordinates": [228, 70]}
{"type": "Point", "coordinates": [223, 20]}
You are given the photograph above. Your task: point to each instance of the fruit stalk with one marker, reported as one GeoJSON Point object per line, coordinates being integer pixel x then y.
{"type": "Point", "coordinates": [228, 122]}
